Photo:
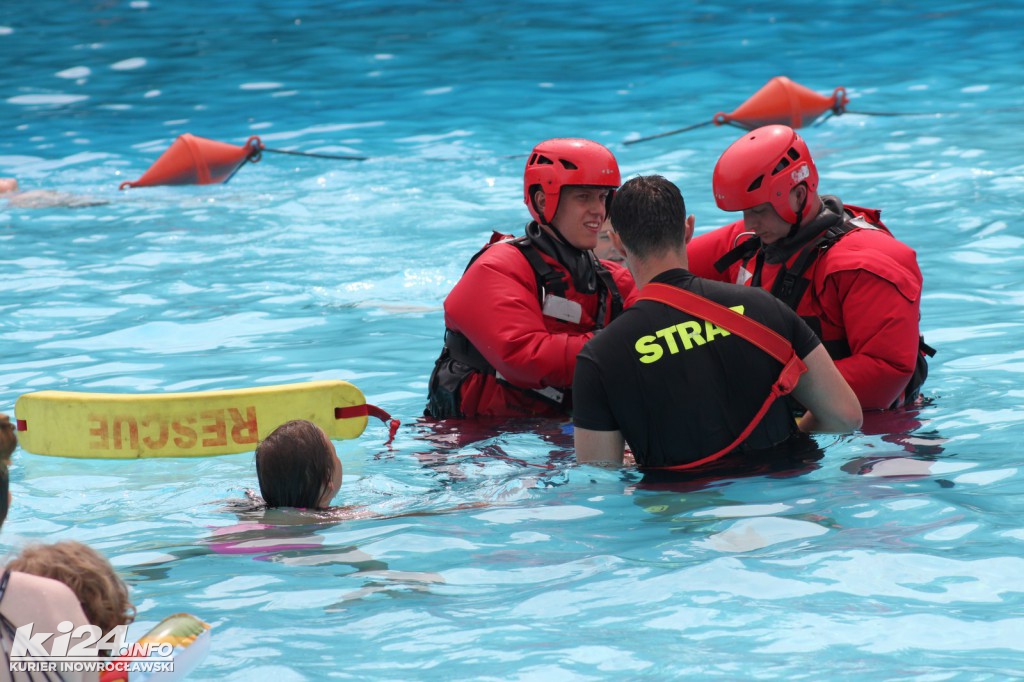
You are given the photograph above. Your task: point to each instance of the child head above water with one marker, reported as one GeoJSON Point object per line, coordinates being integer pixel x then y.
{"type": "Point", "coordinates": [297, 466]}
{"type": "Point", "coordinates": [100, 590]}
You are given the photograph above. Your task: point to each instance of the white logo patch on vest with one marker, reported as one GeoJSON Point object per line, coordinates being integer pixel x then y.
{"type": "Point", "coordinates": [562, 309]}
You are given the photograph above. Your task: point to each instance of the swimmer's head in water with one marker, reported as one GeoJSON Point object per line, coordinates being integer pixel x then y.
{"type": "Point", "coordinates": [8, 439]}
{"type": "Point", "coordinates": [100, 590]}
{"type": "Point", "coordinates": [297, 466]}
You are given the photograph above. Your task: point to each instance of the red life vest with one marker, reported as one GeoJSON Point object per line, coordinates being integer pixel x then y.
{"type": "Point", "coordinates": [507, 354]}
{"type": "Point", "coordinates": [819, 282]}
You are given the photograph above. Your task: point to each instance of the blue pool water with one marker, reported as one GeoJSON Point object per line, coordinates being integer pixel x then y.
{"type": "Point", "coordinates": [898, 556]}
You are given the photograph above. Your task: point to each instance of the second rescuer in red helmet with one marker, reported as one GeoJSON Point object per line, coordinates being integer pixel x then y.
{"type": "Point", "coordinates": [525, 306]}
{"type": "Point", "coordinates": [835, 264]}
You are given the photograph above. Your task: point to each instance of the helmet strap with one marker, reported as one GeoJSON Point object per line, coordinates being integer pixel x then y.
{"type": "Point", "coordinates": [795, 227]}
{"type": "Point", "coordinates": [542, 217]}
{"type": "Point", "coordinates": [535, 205]}
{"type": "Point", "coordinates": [558, 234]}
{"type": "Point", "coordinates": [579, 263]}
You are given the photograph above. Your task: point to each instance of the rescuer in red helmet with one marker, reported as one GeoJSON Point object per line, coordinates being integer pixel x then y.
{"type": "Point", "coordinates": [836, 265]}
{"type": "Point", "coordinates": [525, 306]}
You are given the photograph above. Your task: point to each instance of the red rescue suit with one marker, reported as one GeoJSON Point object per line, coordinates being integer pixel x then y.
{"type": "Point", "coordinates": [497, 307]}
{"type": "Point", "coordinates": [864, 292]}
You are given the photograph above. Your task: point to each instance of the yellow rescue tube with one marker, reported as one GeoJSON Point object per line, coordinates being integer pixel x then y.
{"type": "Point", "coordinates": [200, 424]}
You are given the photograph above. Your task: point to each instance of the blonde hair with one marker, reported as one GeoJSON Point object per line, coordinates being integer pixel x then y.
{"type": "Point", "coordinates": [100, 590]}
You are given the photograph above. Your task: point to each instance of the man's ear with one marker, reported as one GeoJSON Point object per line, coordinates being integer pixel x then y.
{"type": "Point", "coordinates": [540, 201]}
{"type": "Point", "coordinates": [798, 197]}
{"type": "Point", "coordinates": [616, 241]}
{"type": "Point", "coordinates": [690, 222]}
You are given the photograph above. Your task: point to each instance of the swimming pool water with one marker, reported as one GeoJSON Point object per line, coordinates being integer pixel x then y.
{"type": "Point", "coordinates": [896, 556]}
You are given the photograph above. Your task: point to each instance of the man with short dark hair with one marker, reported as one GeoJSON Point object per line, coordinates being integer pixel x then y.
{"type": "Point", "coordinates": [685, 389]}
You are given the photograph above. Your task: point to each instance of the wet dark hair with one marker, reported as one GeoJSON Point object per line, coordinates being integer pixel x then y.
{"type": "Point", "coordinates": [649, 215]}
{"type": "Point", "coordinates": [5, 488]}
{"type": "Point", "coordinates": [294, 465]}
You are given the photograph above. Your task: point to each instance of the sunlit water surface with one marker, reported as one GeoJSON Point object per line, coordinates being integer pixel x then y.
{"type": "Point", "coordinates": [897, 556]}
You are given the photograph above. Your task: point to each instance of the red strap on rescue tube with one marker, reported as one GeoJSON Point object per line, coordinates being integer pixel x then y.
{"type": "Point", "coordinates": [753, 331]}
{"type": "Point", "coordinates": [365, 410]}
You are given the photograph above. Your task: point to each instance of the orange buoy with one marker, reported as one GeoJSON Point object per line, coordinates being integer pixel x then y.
{"type": "Point", "coordinates": [779, 101]}
{"type": "Point", "coordinates": [783, 101]}
{"type": "Point", "coordinates": [195, 160]}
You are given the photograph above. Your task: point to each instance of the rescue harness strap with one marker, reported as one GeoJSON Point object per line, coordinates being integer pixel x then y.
{"type": "Point", "coordinates": [753, 331]}
{"type": "Point", "coordinates": [790, 284]}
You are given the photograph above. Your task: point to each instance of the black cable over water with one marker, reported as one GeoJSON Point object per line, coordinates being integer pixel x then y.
{"type": "Point", "coordinates": [257, 149]}
{"type": "Point", "coordinates": [892, 113]}
{"type": "Point", "coordinates": [670, 132]}
{"type": "Point", "coordinates": [830, 114]}
{"type": "Point", "coordinates": [341, 157]}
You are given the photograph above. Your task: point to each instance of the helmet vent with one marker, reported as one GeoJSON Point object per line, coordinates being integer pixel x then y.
{"type": "Point", "coordinates": [568, 165]}
{"type": "Point", "coordinates": [756, 183]}
{"type": "Point", "coordinates": [543, 160]}
{"type": "Point", "coordinates": [780, 166]}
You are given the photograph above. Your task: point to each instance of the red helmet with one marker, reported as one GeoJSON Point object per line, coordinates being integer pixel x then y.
{"type": "Point", "coordinates": [762, 167]}
{"type": "Point", "coordinates": [553, 164]}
